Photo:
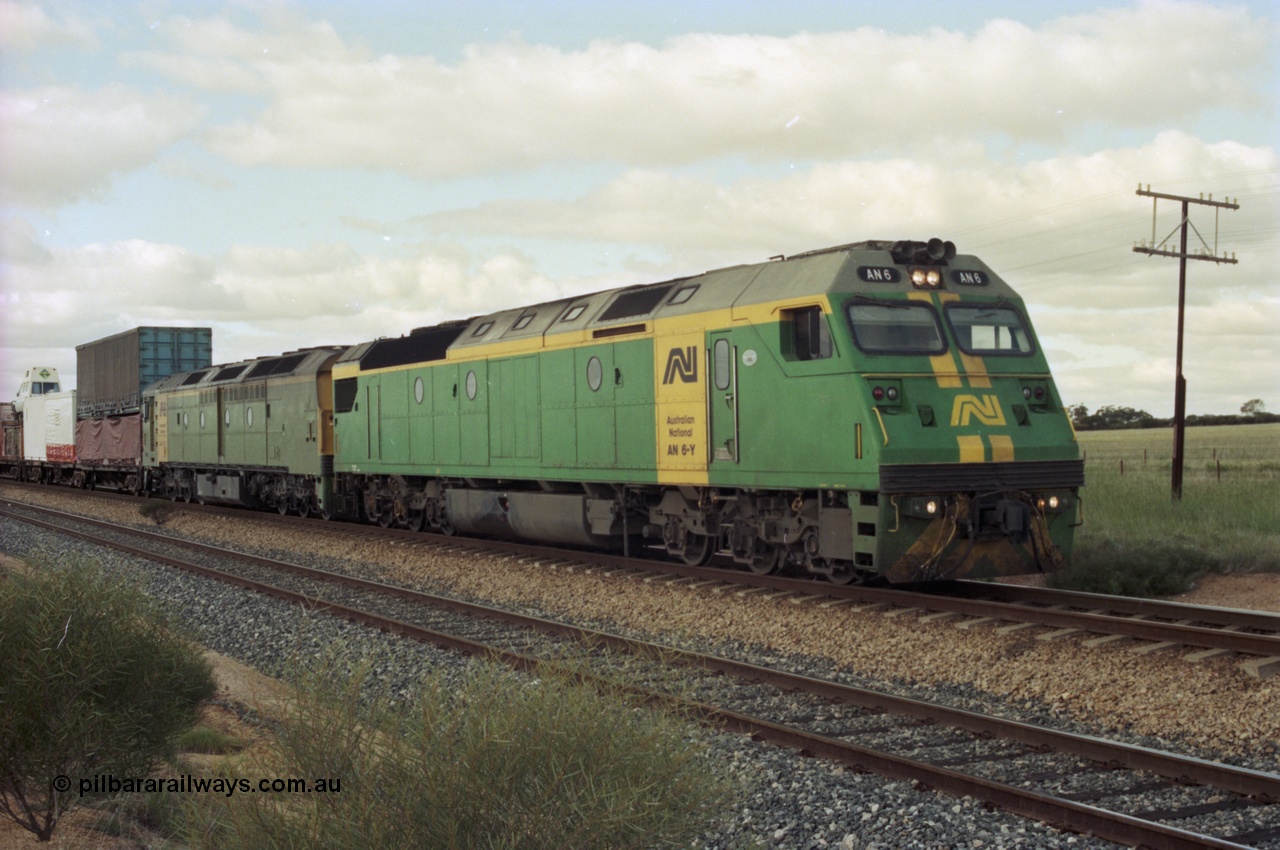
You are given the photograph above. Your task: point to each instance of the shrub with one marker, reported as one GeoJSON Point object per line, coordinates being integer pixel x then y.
{"type": "Point", "coordinates": [93, 682]}
{"type": "Point", "coordinates": [494, 762]}
{"type": "Point", "coordinates": [1137, 567]}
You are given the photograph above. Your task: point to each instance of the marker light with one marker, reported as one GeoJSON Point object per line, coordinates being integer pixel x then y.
{"type": "Point", "coordinates": [891, 393]}
{"type": "Point", "coordinates": [877, 393]}
{"type": "Point", "coordinates": [1026, 392]}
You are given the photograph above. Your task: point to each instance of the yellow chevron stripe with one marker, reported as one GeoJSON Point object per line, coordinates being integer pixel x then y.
{"type": "Point", "coordinates": [976, 370]}
{"type": "Point", "coordinates": [944, 367]}
{"type": "Point", "coordinates": [972, 449]}
{"type": "Point", "coordinates": [1001, 447]}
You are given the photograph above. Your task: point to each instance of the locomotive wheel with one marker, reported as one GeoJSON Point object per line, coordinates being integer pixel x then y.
{"type": "Point", "coordinates": [842, 575]}
{"type": "Point", "coordinates": [283, 506]}
{"type": "Point", "coordinates": [697, 550]}
{"type": "Point", "coordinates": [766, 559]}
{"type": "Point", "coordinates": [416, 521]}
{"type": "Point", "coordinates": [385, 519]}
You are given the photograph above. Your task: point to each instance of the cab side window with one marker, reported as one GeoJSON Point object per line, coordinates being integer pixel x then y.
{"type": "Point", "coordinates": [808, 332]}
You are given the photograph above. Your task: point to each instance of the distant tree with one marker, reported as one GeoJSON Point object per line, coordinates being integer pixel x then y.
{"type": "Point", "coordinates": [1113, 416]}
{"type": "Point", "coordinates": [1079, 415]}
{"type": "Point", "coordinates": [1253, 407]}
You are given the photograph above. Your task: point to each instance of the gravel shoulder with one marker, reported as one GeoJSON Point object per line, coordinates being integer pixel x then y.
{"type": "Point", "coordinates": [1212, 709]}
{"type": "Point", "coordinates": [1209, 705]}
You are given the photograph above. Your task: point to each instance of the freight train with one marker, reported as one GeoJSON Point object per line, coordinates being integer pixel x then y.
{"type": "Point", "coordinates": [876, 410]}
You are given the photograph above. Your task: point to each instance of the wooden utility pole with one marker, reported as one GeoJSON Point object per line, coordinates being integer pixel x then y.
{"type": "Point", "coordinates": [1204, 253]}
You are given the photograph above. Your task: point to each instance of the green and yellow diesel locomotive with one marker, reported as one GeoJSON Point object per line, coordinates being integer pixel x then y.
{"type": "Point", "coordinates": [878, 409]}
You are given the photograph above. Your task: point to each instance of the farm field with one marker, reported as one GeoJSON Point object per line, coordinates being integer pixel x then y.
{"type": "Point", "coordinates": [1136, 539]}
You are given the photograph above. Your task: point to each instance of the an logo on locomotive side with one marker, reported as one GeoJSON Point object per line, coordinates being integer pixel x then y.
{"type": "Point", "coordinates": [682, 363]}
{"type": "Point", "coordinates": [986, 409]}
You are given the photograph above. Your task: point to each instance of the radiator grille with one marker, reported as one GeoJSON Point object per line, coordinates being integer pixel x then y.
{"type": "Point", "coordinates": [951, 477]}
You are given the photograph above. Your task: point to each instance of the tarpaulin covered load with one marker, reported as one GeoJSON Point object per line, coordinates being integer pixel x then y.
{"type": "Point", "coordinates": [49, 427]}
{"type": "Point", "coordinates": [115, 441]}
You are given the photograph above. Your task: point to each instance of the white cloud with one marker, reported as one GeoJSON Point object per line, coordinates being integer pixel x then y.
{"type": "Point", "coordinates": [60, 144]}
{"type": "Point", "coordinates": [1086, 214]}
{"type": "Point", "coordinates": [259, 300]}
{"type": "Point", "coordinates": [25, 27]}
{"type": "Point", "coordinates": [808, 96]}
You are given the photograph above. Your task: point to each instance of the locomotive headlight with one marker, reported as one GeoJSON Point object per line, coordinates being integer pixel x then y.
{"type": "Point", "coordinates": [1053, 503]}
{"type": "Point", "coordinates": [931, 507]}
{"type": "Point", "coordinates": [926, 278]}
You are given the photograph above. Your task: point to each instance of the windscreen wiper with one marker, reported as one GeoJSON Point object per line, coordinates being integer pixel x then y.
{"type": "Point", "coordinates": [893, 305]}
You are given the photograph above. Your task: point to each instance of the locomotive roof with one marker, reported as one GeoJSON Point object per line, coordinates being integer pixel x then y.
{"type": "Point", "coordinates": [305, 361]}
{"type": "Point", "coordinates": [628, 309]}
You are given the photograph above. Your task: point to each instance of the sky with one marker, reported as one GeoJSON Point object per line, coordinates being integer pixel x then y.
{"type": "Point", "coordinates": [295, 174]}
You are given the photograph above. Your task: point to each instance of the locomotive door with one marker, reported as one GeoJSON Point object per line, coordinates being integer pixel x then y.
{"type": "Point", "coordinates": [722, 398]}
{"type": "Point", "coordinates": [160, 418]}
{"type": "Point", "coordinates": [221, 422]}
{"type": "Point", "coordinates": [680, 390]}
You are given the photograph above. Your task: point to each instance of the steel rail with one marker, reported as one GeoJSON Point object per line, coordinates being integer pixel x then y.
{"type": "Point", "coordinates": [1130, 605]}
{"type": "Point", "coordinates": [1245, 643]}
{"type": "Point", "coordinates": [1257, 784]}
{"type": "Point", "coordinates": [1055, 811]}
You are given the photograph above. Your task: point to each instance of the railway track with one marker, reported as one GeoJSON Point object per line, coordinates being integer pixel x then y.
{"type": "Point", "coordinates": [1202, 632]}
{"type": "Point", "coordinates": [1019, 767]}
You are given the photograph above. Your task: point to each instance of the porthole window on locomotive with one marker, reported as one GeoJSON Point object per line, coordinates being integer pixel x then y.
{"type": "Point", "coordinates": [472, 386]}
{"type": "Point", "coordinates": [186, 419]}
{"type": "Point", "coordinates": [226, 419]}
{"type": "Point", "coordinates": [595, 373]}
{"type": "Point", "coordinates": [202, 420]}
{"type": "Point", "coordinates": [248, 416]}
{"type": "Point", "coordinates": [417, 390]}
{"type": "Point", "coordinates": [722, 363]}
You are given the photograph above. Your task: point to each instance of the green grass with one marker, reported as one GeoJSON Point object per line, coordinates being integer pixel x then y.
{"type": "Point", "coordinates": [487, 761]}
{"type": "Point", "coordinates": [203, 739]}
{"type": "Point", "coordinates": [1137, 540]}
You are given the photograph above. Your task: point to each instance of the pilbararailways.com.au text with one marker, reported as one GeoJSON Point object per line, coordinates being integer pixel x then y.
{"type": "Point", "coordinates": [188, 784]}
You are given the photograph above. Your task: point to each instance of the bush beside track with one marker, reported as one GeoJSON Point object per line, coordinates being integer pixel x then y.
{"type": "Point", "coordinates": [1138, 542]}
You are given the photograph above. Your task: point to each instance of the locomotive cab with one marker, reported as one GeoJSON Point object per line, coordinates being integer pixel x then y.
{"type": "Point", "coordinates": [978, 464]}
